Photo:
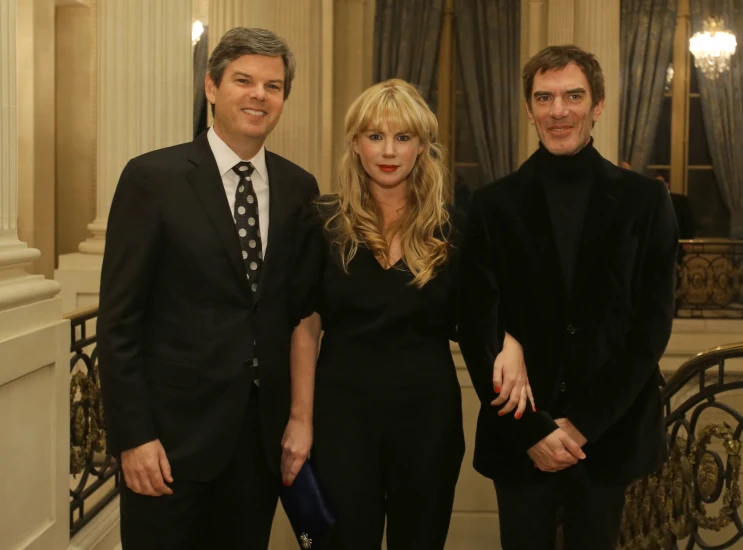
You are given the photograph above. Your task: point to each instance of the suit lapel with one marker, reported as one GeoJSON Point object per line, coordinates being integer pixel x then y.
{"type": "Point", "coordinates": [206, 182]}
{"type": "Point", "coordinates": [538, 226]}
{"type": "Point", "coordinates": [602, 205]}
{"type": "Point", "coordinates": [278, 193]}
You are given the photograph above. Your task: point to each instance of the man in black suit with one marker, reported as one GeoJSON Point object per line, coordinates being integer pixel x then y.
{"type": "Point", "coordinates": [579, 256]}
{"type": "Point", "coordinates": [193, 327]}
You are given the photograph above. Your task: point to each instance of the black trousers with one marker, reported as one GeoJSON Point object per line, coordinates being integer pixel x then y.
{"type": "Point", "coordinates": [393, 454]}
{"type": "Point", "coordinates": [233, 511]}
{"type": "Point", "coordinates": [591, 512]}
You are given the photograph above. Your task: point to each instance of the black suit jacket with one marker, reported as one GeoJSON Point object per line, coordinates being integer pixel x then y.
{"type": "Point", "coordinates": [177, 320]}
{"type": "Point", "coordinates": [591, 351]}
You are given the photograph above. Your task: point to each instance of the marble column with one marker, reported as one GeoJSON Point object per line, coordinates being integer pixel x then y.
{"type": "Point", "coordinates": [534, 25]}
{"type": "Point", "coordinates": [34, 347]}
{"type": "Point", "coordinates": [561, 22]}
{"type": "Point", "coordinates": [305, 133]}
{"type": "Point", "coordinates": [597, 31]}
{"type": "Point", "coordinates": [17, 286]}
{"type": "Point", "coordinates": [145, 99]}
{"type": "Point", "coordinates": [353, 63]}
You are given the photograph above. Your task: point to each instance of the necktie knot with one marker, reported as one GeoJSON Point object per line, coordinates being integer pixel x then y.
{"type": "Point", "coordinates": [243, 169]}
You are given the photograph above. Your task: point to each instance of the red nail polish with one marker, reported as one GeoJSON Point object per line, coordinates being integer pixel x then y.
{"type": "Point", "coordinates": [518, 415]}
{"type": "Point", "coordinates": [535, 409]}
{"type": "Point", "coordinates": [497, 389]}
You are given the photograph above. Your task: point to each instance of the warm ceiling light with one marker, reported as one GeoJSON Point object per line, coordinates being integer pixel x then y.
{"type": "Point", "coordinates": [713, 48]}
{"type": "Point", "coordinates": [196, 31]}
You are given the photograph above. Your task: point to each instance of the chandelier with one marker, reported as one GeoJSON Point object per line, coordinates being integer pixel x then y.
{"type": "Point", "coordinates": [713, 48]}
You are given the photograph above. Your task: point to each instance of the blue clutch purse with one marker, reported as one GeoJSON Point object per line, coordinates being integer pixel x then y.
{"type": "Point", "coordinates": [309, 513]}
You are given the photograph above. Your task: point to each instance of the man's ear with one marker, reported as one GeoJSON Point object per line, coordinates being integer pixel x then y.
{"type": "Point", "coordinates": [597, 110]}
{"type": "Point", "coordinates": [210, 89]}
{"type": "Point", "coordinates": [529, 113]}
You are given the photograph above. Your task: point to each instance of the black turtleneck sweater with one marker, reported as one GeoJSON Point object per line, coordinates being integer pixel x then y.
{"type": "Point", "coordinates": [566, 181]}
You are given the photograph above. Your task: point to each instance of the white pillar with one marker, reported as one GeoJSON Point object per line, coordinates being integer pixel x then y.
{"type": "Point", "coordinates": [561, 22]}
{"type": "Point", "coordinates": [17, 287]}
{"type": "Point", "coordinates": [145, 102]}
{"type": "Point", "coordinates": [597, 31]}
{"type": "Point", "coordinates": [353, 64]}
{"type": "Point", "coordinates": [304, 134]}
{"type": "Point", "coordinates": [34, 347]}
{"type": "Point", "coordinates": [534, 24]}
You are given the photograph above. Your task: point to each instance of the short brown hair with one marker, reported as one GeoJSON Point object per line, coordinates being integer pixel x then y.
{"type": "Point", "coordinates": [555, 58]}
{"type": "Point", "coordinates": [242, 41]}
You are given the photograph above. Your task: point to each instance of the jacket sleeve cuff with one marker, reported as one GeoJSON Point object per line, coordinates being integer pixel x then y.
{"type": "Point", "coordinates": [526, 431]}
{"type": "Point", "coordinates": [538, 426]}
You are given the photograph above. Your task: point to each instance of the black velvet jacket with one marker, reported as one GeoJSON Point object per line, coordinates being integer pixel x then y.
{"type": "Point", "coordinates": [592, 350]}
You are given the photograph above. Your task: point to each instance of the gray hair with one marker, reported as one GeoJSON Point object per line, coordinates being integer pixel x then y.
{"type": "Point", "coordinates": [250, 41]}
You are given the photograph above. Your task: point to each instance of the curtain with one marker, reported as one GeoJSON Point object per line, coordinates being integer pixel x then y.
{"type": "Point", "coordinates": [488, 34]}
{"type": "Point", "coordinates": [722, 109]}
{"type": "Point", "coordinates": [406, 41]}
{"type": "Point", "coordinates": [200, 59]}
{"type": "Point", "coordinates": [647, 28]}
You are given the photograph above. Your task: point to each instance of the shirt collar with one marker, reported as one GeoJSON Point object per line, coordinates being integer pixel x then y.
{"type": "Point", "coordinates": [227, 158]}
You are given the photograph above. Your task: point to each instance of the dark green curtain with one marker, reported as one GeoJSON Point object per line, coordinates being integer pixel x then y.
{"type": "Point", "coordinates": [406, 41]}
{"type": "Point", "coordinates": [488, 33]}
{"type": "Point", "coordinates": [200, 60]}
{"type": "Point", "coordinates": [647, 28]}
{"type": "Point", "coordinates": [722, 109]}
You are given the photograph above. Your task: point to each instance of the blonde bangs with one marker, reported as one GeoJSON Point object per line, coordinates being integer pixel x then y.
{"type": "Point", "coordinates": [390, 102]}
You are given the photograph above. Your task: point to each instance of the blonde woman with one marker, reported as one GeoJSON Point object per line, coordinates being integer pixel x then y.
{"type": "Point", "coordinates": [377, 274]}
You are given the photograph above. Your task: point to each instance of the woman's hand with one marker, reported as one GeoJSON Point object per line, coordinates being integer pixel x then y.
{"type": "Point", "coordinates": [295, 448]}
{"type": "Point", "coordinates": [510, 380]}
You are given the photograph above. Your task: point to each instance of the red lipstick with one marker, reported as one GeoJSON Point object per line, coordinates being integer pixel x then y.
{"type": "Point", "coordinates": [387, 167]}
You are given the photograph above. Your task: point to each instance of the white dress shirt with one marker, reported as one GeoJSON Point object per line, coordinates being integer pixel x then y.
{"type": "Point", "coordinates": [226, 160]}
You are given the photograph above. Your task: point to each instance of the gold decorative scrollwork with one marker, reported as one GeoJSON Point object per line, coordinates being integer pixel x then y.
{"type": "Point", "coordinates": [710, 278]}
{"type": "Point", "coordinates": [87, 432]}
{"type": "Point", "coordinates": [661, 508]}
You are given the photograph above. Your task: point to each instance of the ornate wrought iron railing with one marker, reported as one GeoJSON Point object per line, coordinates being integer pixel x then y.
{"type": "Point", "coordinates": [670, 510]}
{"type": "Point", "coordinates": [710, 281]}
{"type": "Point", "coordinates": [95, 475]}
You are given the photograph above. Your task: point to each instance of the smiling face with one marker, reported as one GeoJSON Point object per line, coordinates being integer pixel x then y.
{"type": "Point", "coordinates": [387, 154]}
{"type": "Point", "coordinates": [248, 101]}
{"type": "Point", "coordinates": [562, 109]}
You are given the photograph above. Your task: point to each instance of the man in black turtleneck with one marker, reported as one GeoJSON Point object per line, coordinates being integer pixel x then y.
{"type": "Point", "coordinates": [575, 258]}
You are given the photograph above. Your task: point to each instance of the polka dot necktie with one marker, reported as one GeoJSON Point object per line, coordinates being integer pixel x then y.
{"type": "Point", "coordinates": [246, 221]}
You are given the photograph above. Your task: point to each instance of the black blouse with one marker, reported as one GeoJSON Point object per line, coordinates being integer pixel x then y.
{"type": "Point", "coordinates": [375, 321]}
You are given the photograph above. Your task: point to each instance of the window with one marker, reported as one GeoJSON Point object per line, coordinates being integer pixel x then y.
{"type": "Point", "coordinates": [450, 105]}
{"type": "Point", "coordinates": [681, 152]}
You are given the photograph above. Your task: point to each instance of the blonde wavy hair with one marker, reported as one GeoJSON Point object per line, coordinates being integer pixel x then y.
{"type": "Point", "coordinates": [354, 216]}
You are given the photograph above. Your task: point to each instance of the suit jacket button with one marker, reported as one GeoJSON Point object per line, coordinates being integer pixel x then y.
{"type": "Point", "coordinates": [563, 386]}
{"type": "Point", "coordinates": [571, 329]}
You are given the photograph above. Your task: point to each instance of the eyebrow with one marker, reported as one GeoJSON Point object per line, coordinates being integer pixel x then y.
{"type": "Point", "coordinates": [240, 73]}
{"type": "Point", "coordinates": [571, 91]}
